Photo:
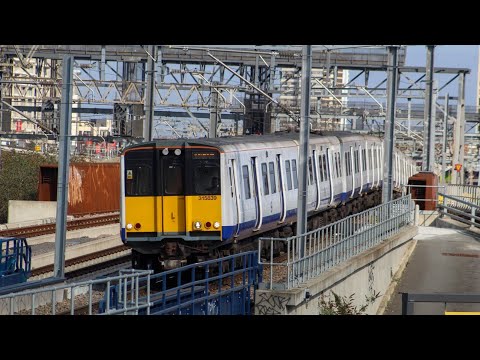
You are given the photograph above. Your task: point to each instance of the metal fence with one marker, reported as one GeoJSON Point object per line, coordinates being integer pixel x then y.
{"type": "Point", "coordinates": [15, 260]}
{"type": "Point", "coordinates": [468, 193]}
{"type": "Point", "coordinates": [459, 209]}
{"type": "Point", "coordinates": [309, 255]}
{"type": "Point", "coordinates": [80, 297]}
{"type": "Point", "coordinates": [221, 286]}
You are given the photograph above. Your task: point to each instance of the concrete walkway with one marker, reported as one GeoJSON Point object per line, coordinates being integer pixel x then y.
{"type": "Point", "coordinates": [444, 261]}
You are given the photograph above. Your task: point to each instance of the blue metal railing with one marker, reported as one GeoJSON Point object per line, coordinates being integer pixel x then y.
{"type": "Point", "coordinates": [216, 287]}
{"type": "Point", "coordinates": [15, 261]}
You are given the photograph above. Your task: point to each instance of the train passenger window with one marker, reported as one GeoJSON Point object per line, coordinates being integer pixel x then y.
{"type": "Point", "coordinates": [370, 164]}
{"type": "Point", "coordinates": [358, 161]}
{"type": "Point", "coordinates": [289, 176]}
{"type": "Point", "coordinates": [231, 180]}
{"type": "Point", "coordinates": [336, 165]}
{"type": "Point", "coordinates": [320, 167]}
{"type": "Point", "coordinates": [294, 173]}
{"type": "Point", "coordinates": [246, 182]}
{"type": "Point", "coordinates": [355, 163]}
{"type": "Point", "coordinates": [310, 171]}
{"type": "Point", "coordinates": [265, 179]}
{"type": "Point", "coordinates": [271, 170]}
{"type": "Point", "coordinates": [339, 165]}
{"type": "Point", "coordinates": [347, 163]}
{"type": "Point", "coordinates": [364, 160]}
{"type": "Point", "coordinates": [352, 166]}
{"type": "Point", "coordinates": [323, 168]}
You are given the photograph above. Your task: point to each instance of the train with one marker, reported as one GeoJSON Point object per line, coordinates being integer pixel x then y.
{"type": "Point", "coordinates": [188, 200]}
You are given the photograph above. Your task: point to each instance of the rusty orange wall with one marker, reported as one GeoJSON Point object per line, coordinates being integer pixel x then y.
{"type": "Point", "coordinates": [92, 188]}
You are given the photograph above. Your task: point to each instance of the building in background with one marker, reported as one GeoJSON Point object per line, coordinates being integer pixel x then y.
{"type": "Point", "coordinates": [327, 97]}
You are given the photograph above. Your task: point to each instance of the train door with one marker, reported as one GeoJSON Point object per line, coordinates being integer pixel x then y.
{"type": "Point", "coordinates": [237, 219]}
{"type": "Point", "coordinates": [361, 159]}
{"type": "Point", "coordinates": [172, 167]}
{"type": "Point", "coordinates": [256, 193]}
{"type": "Point", "coordinates": [325, 190]}
{"type": "Point", "coordinates": [268, 189]}
{"type": "Point", "coordinates": [330, 174]}
{"type": "Point", "coordinates": [281, 180]}
{"type": "Point", "coordinates": [316, 178]}
{"type": "Point", "coordinates": [351, 164]}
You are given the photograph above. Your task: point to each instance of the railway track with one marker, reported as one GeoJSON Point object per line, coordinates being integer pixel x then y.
{"type": "Point", "coordinates": [81, 259]}
{"type": "Point", "coordinates": [45, 229]}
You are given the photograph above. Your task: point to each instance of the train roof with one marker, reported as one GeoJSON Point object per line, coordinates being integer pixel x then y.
{"type": "Point", "coordinates": [345, 135]}
{"type": "Point", "coordinates": [222, 142]}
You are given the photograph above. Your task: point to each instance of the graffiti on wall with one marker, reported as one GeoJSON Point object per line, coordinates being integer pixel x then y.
{"type": "Point", "coordinates": [271, 304]}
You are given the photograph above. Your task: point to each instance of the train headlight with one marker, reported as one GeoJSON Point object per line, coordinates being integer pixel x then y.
{"type": "Point", "coordinates": [197, 225]}
{"type": "Point", "coordinates": [216, 224]}
{"type": "Point", "coordinates": [129, 226]}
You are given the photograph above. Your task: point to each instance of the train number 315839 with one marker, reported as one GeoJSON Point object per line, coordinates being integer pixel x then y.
{"type": "Point", "coordinates": [207, 197]}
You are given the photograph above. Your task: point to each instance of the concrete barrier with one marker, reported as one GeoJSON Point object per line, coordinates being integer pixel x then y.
{"type": "Point", "coordinates": [22, 210]}
{"type": "Point", "coordinates": [362, 276]}
{"type": "Point", "coordinates": [45, 259]}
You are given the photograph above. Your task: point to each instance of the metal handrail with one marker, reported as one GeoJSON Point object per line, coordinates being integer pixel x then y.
{"type": "Point", "coordinates": [448, 199]}
{"type": "Point", "coordinates": [318, 250]}
{"type": "Point", "coordinates": [30, 297]}
{"type": "Point", "coordinates": [456, 198]}
{"type": "Point", "coordinates": [408, 299]}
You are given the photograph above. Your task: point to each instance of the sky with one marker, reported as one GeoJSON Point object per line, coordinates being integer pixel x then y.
{"type": "Point", "coordinates": [458, 56]}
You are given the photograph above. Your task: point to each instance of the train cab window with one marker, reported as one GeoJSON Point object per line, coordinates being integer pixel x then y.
{"type": "Point", "coordinates": [271, 170]}
{"type": "Point", "coordinates": [294, 173]}
{"type": "Point", "coordinates": [204, 172]}
{"type": "Point", "coordinates": [246, 182]}
{"type": "Point", "coordinates": [142, 185]}
{"type": "Point", "coordinates": [265, 179]}
{"type": "Point", "coordinates": [289, 176]}
{"type": "Point", "coordinates": [139, 173]}
{"type": "Point", "coordinates": [207, 178]}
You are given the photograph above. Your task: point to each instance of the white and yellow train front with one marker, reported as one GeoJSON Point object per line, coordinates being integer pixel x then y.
{"type": "Point", "coordinates": [170, 200]}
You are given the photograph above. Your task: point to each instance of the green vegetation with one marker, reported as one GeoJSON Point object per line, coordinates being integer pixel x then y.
{"type": "Point", "coordinates": [343, 305]}
{"type": "Point", "coordinates": [19, 177]}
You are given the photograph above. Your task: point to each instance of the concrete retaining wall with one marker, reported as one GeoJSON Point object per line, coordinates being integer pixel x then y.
{"type": "Point", "coordinates": [427, 217]}
{"type": "Point", "coordinates": [21, 210]}
{"type": "Point", "coordinates": [365, 274]}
